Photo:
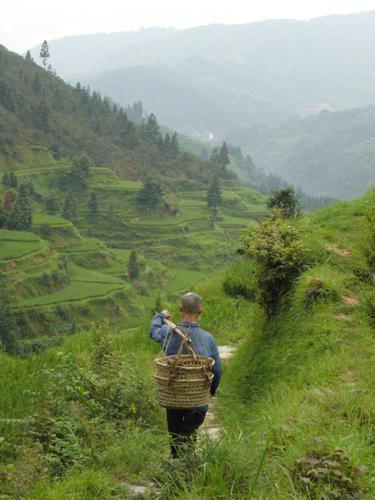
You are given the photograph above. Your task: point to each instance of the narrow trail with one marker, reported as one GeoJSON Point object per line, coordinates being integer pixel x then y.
{"type": "Point", "coordinates": [211, 426]}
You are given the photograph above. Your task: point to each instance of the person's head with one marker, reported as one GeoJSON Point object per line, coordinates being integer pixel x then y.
{"type": "Point", "coordinates": [191, 305]}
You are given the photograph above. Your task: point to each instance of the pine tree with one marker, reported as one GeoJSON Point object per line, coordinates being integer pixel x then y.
{"type": "Point", "coordinates": [52, 204]}
{"type": "Point", "coordinates": [21, 216]}
{"type": "Point", "coordinates": [214, 199]}
{"type": "Point", "coordinates": [41, 116]}
{"type": "Point", "coordinates": [175, 147]}
{"type": "Point", "coordinates": [6, 96]}
{"type": "Point", "coordinates": [8, 336]}
{"type": "Point", "coordinates": [28, 57]}
{"type": "Point", "coordinates": [82, 163]}
{"type": "Point", "coordinates": [166, 144]}
{"type": "Point", "coordinates": [44, 53]}
{"type": "Point", "coordinates": [37, 84]}
{"type": "Point", "coordinates": [224, 156]}
{"type": "Point", "coordinates": [110, 212]}
{"type": "Point", "coordinates": [69, 208]}
{"type": "Point", "coordinates": [8, 201]}
{"type": "Point", "coordinates": [93, 206]}
{"type": "Point", "coordinates": [287, 201]}
{"type": "Point", "coordinates": [133, 269]}
{"type": "Point", "coordinates": [13, 181]}
{"type": "Point", "coordinates": [150, 129]}
{"type": "Point", "coordinates": [5, 181]}
{"type": "Point", "coordinates": [220, 158]}
{"type": "Point", "coordinates": [151, 195]}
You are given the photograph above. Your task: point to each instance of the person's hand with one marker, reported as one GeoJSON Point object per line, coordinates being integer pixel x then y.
{"type": "Point", "coordinates": [166, 313]}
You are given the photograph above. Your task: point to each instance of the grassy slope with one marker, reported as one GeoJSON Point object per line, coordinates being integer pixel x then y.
{"type": "Point", "coordinates": [134, 456]}
{"type": "Point", "coordinates": [300, 385]}
{"type": "Point", "coordinates": [303, 384]}
{"type": "Point", "coordinates": [186, 244]}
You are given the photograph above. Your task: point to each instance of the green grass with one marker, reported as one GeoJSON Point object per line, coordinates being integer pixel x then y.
{"type": "Point", "coordinates": [51, 220]}
{"type": "Point", "coordinates": [182, 278]}
{"type": "Point", "coordinates": [17, 244]}
{"type": "Point", "coordinates": [85, 245]}
{"type": "Point", "coordinates": [84, 284]}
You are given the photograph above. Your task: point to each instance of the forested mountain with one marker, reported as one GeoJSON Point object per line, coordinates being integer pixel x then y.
{"type": "Point", "coordinates": [223, 77]}
{"type": "Point", "coordinates": [38, 109]}
{"type": "Point", "coordinates": [331, 153]}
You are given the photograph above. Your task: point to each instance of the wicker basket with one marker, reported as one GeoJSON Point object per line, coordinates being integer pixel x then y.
{"type": "Point", "coordinates": [183, 381]}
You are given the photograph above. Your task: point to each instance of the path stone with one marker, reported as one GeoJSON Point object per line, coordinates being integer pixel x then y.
{"type": "Point", "coordinates": [340, 252]}
{"type": "Point", "coordinates": [343, 317]}
{"type": "Point", "coordinates": [350, 300]}
{"type": "Point", "coordinates": [138, 491]}
{"type": "Point", "coordinates": [226, 351]}
{"type": "Point", "coordinates": [210, 426]}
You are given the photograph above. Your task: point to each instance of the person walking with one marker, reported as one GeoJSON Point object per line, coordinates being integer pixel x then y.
{"type": "Point", "coordinates": [184, 423]}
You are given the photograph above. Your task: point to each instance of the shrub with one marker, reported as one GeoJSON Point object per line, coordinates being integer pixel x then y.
{"type": "Point", "coordinates": [45, 231]}
{"type": "Point", "coordinates": [327, 475]}
{"type": "Point", "coordinates": [370, 243]}
{"type": "Point", "coordinates": [85, 403]}
{"type": "Point", "coordinates": [240, 281]}
{"type": "Point", "coordinates": [279, 256]}
{"type": "Point", "coordinates": [287, 201]}
{"type": "Point", "coordinates": [317, 290]}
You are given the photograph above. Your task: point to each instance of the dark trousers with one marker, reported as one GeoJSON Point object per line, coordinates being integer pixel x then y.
{"type": "Point", "coordinates": [182, 427]}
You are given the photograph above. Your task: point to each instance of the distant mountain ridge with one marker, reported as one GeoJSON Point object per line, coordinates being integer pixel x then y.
{"type": "Point", "coordinates": [258, 73]}
{"type": "Point", "coordinates": [328, 153]}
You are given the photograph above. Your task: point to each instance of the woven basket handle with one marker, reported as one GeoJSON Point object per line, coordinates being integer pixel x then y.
{"type": "Point", "coordinates": [186, 341]}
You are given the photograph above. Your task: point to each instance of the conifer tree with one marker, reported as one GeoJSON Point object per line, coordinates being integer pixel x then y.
{"type": "Point", "coordinates": [224, 156]}
{"type": "Point", "coordinates": [5, 180]}
{"type": "Point", "coordinates": [52, 204]}
{"type": "Point", "coordinates": [21, 216]}
{"type": "Point", "coordinates": [28, 56]}
{"type": "Point", "coordinates": [13, 181]}
{"type": "Point", "coordinates": [220, 158]}
{"type": "Point", "coordinates": [214, 199]}
{"type": "Point", "coordinates": [8, 201]}
{"type": "Point", "coordinates": [69, 208]}
{"type": "Point", "coordinates": [8, 338]}
{"type": "Point", "coordinates": [150, 129]}
{"type": "Point", "coordinates": [82, 163]}
{"type": "Point", "coordinates": [110, 212]}
{"type": "Point", "coordinates": [151, 195]}
{"type": "Point", "coordinates": [93, 206]}
{"type": "Point", "coordinates": [166, 145]}
{"type": "Point", "coordinates": [175, 147]}
{"type": "Point", "coordinates": [37, 84]}
{"type": "Point", "coordinates": [133, 269]}
{"type": "Point", "coordinates": [44, 53]}
{"type": "Point", "coordinates": [41, 116]}
{"type": "Point", "coordinates": [287, 201]}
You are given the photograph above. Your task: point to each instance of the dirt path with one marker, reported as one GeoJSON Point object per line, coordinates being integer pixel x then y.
{"type": "Point", "coordinates": [211, 426]}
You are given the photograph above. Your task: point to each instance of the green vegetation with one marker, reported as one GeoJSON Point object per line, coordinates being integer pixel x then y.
{"type": "Point", "coordinates": [296, 403]}
{"type": "Point", "coordinates": [314, 152]}
{"type": "Point", "coordinates": [286, 201]}
{"type": "Point", "coordinates": [39, 113]}
{"type": "Point", "coordinates": [84, 191]}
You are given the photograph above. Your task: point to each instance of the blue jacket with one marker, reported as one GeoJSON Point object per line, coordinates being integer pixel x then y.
{"type": "Point", "coordinates": [203, 341]}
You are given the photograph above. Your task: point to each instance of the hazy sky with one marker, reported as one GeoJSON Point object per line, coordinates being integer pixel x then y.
{"type": "Point", "coordinates": [25, 23]}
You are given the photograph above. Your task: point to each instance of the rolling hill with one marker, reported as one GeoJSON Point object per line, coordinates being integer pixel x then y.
{"type": "Point", "coordinates": [38, 109]}
{"type": "Point", "coordinates": [227, 76]}
{"type": "Point", "coordinates": [330, 153]}
{"type": "Point", "coordinates": [74, 206]}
